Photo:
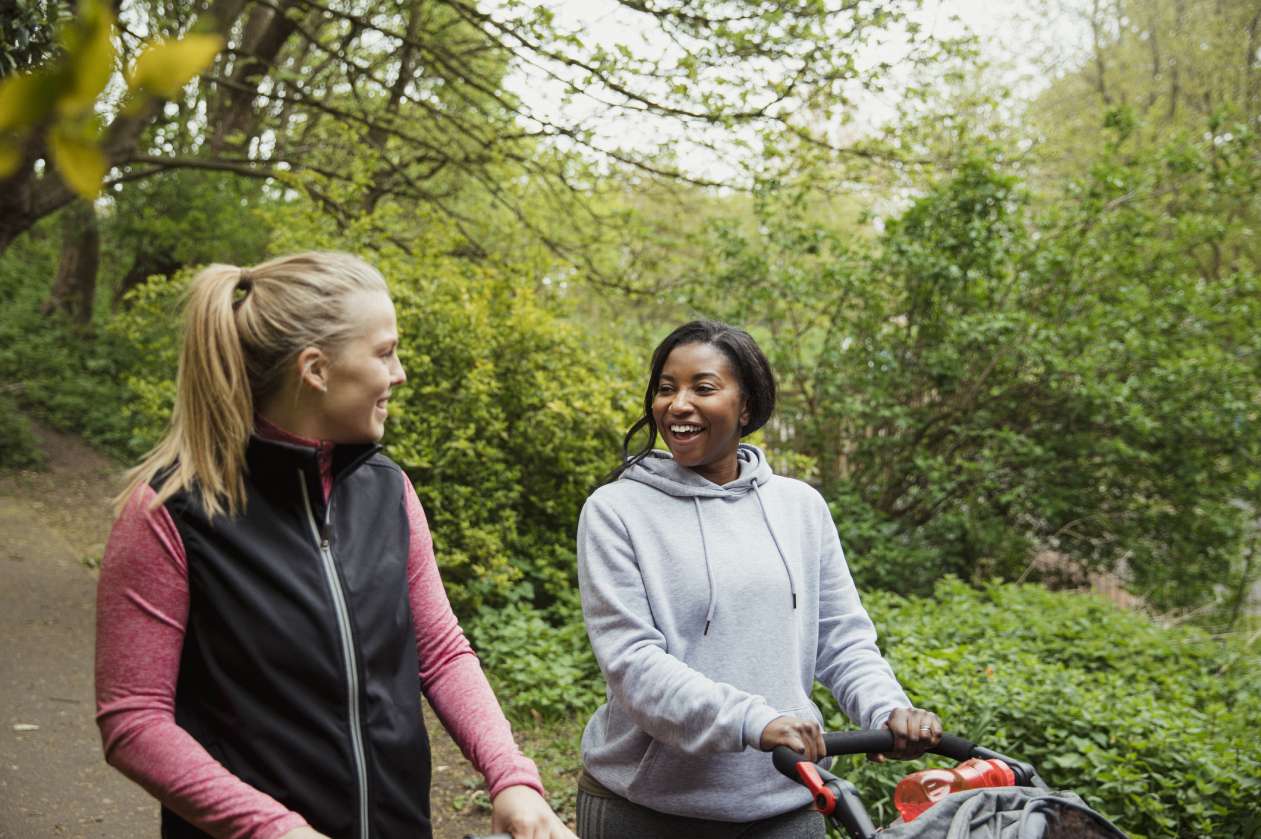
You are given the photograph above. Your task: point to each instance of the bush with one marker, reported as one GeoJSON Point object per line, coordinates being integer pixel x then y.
{"type": "Point", "coordinates": [19, 447]}
{"type": "Point", "coordinates": [69, 377]}
{"type": "Point", "coordinates": [540, 664]}
{"type": "Point", "coordinates": [1154, 727]}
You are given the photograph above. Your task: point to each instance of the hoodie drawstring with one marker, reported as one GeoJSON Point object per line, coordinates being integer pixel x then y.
{"type": "Point", "coordinates": [709, 570]}
{"type": "Point", "coordinates": [792, 584]}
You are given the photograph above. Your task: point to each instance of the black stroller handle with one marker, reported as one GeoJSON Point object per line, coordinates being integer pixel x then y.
{"type": "Point", "coordinates": [869, 742]}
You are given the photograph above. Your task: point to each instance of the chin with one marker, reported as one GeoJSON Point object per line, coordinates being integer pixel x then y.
{"type": "Point", "coordinates": [688, 460]}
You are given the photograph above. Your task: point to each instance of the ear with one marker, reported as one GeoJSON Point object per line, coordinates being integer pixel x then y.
{"type": "Point", "coordinates": [744, 411]}
{"type": "Point", "coordinates": [313, 369]}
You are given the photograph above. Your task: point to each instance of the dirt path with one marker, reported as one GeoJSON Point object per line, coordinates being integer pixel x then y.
{"type": "Point", "coordinates": [53, 781]}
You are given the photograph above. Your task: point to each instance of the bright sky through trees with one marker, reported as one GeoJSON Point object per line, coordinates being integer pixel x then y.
{"type": "Point", "coordinates": [1018, 39]}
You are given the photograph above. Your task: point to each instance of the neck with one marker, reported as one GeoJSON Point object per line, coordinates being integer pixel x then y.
{"type": "Point", "coordinates": [292, 416]}
{"type": "Point", "coordinates": [721, 472]}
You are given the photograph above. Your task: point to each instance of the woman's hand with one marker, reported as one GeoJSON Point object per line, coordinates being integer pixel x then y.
{"type": "Point", "coordinates": [802, 736]}
{"type": "Point", "coordinates": [521, 811]}
{"type": "Point", "coordinates": [915, 731]}
{"type": "Point", "coordinates": [303, 832]}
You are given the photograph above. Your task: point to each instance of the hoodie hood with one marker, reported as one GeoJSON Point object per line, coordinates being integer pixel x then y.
{"type": "Point", "coordinates": [660, 471]}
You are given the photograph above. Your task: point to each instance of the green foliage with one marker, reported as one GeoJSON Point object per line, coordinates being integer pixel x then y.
{"type": "Point", "coordinates": [507, 423]}
{"type": "Point", "coordinates": [19, 447]}
{"type": "Point", "coordinates": [27, 32]}
{"type": "Point", "coordinates": [65, 375]}
{"type": "Point", "coordinates": [997, 375]}
{"type": "Point", "coordinates": [540, 664]}
{"type": "Point", "coordinates": [69, 378]}
{"type": "Point", "coordinates": [1152, 726]}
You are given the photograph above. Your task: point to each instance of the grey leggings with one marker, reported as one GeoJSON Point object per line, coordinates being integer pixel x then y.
{"type": "Point", "coordinates": [617, 818]}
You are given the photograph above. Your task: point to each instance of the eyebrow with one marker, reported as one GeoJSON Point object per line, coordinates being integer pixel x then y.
{"type": "Point", "coordinates": [701, 375]}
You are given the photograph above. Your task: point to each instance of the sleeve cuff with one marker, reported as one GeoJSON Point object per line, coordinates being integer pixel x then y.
{"type": "Point", "coordinates": [881, 716]}
{"type": "Point", "coordinates": [523, 774]}
{"type": "Point", "coordinates": [755, 722]}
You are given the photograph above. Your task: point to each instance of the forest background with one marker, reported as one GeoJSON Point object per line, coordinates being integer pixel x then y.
{"type": "Point", "coordinates": [1011, 295]}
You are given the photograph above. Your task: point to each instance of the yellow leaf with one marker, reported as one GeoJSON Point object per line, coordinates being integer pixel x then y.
{"type": "Point", "coordinates": [166, 66]}
{"type": "Point", "coordinates": [24, 101]}
{"type": "Point", "coordinates": [10, 158]}
{"type": "Point", "coordinates": [90, 58]}
{"type": "Point", "coordinates": [79, 162]}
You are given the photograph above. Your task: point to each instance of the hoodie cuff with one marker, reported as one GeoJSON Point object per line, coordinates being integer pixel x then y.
{"type": "Point", "coordinates": [879, 718]}
{"type": "Point", "coordinates": [756, 721]}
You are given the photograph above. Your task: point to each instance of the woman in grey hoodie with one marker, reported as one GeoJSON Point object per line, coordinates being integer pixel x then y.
{"type": "Point", "coordinates": [715, 593]}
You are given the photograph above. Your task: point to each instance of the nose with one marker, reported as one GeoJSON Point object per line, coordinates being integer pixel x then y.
{"type": "Point", "coordinates": [681, 403]}
{"type": "Point", "coordinates": [397, 375]}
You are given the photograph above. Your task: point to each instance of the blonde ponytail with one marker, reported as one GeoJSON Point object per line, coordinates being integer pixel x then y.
{"type": "Point", "coordinates": [242, 327]}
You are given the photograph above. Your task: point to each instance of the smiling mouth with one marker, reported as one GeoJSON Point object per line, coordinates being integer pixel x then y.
{"type": "Point", "coordinates": [683, 432]}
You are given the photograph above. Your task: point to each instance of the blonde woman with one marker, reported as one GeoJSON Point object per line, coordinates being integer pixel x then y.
{"type": "Point", "coordinates": [269, 608]}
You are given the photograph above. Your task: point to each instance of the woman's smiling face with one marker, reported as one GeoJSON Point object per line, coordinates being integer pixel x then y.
{"type": "Point", "coordinates": [699, 410]}
{"type": "Point", "coordinates": [362, 373]}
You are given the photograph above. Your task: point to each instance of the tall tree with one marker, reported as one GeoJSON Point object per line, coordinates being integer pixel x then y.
{"type": "Point", "coordinates": [407, 100]}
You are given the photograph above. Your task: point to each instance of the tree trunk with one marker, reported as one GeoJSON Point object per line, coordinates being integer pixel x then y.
{"type": "Point", "coordinates": [142, 268]}
{"type": "Point", "coordinates": [74, 289]}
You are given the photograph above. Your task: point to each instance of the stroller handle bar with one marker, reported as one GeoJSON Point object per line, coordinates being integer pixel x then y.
{"type": "Point", "coordinates": [867, 742]}
{"type": "Point", "coordinates": [874, 742]}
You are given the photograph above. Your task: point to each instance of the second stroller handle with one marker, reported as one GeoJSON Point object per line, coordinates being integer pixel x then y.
{"type": "Point", "coordinates": [867, 742]}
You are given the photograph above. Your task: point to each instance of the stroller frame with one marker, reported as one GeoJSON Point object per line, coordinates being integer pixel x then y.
{"type": "Point", "coordinates": [838, 799]}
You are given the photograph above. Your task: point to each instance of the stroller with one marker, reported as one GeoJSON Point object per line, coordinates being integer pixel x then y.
{"type": "Point", "coordinates": [1028, 810]}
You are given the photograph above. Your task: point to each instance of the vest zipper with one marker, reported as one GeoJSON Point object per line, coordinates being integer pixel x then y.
{"type": "Point", "coordinates": [348, 649]}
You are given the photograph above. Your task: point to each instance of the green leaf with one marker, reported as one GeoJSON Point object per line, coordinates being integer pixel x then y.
{"type": "Point", "coordinates": [79, 161]}
{"type": "Point", "coordinates": [166, 66]}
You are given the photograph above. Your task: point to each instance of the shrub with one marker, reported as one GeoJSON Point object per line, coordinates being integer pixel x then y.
{"type": "Point", "coordinates": [19, 448]}
{"type": "Point", "coordinates": [1154, 727]}
{"type": "Point", "coordinates": [540, 664]}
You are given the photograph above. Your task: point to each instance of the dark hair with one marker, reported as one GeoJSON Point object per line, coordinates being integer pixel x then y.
{"type": "Point", "coordinates": [757, 381]}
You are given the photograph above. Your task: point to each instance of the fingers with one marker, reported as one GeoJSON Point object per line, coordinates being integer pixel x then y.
{"type": "Point", "coordinates": [914, 730]}
{"type": "Point", "coordinates": [802, 736]}
{"type": "Point", "coordinates": [924, 731]}
{"type": "Point", "coordinates": [523, 813]}
{"type": "Point", "coordinates": [899, 723]}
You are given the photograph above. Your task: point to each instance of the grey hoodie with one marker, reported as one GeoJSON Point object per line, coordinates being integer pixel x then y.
{"type": "Point", "coordinates": [712, 610]}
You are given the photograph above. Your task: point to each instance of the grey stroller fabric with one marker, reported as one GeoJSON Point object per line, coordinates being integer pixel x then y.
{"type": "Point", "coordinates": [1006, 813]}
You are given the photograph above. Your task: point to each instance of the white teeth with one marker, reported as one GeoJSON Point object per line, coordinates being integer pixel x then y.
{"type": "Point", "coordinates": [684, 429]}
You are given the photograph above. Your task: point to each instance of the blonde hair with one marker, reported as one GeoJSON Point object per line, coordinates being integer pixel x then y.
{"type": "Point", "coordinates": [242, 329]}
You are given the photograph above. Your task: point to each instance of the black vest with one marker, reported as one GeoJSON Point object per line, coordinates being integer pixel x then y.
{"type": "Point", "coordinates": [299, 670]}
